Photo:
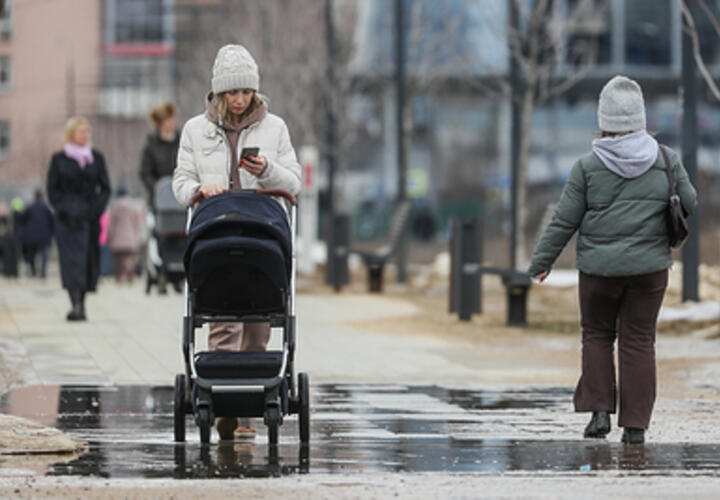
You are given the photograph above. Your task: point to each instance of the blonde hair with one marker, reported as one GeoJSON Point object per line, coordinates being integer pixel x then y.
{"type": "Point", "coordinates": [161, 113]}
{"type": "Point", "coordinates": [72, 124]}
{"type": "Point", "coordinates": [224, 113]}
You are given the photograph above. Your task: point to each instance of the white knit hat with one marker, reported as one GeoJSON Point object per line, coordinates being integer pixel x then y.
{"type": "Point", "coordinates": [234, 68]}
{"type": "Point", "coordinates": [621, 107]}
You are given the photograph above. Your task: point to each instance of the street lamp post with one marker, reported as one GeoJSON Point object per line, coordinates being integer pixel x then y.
{"type": "Point", "coordinates": [691, 249]}
{"type": "Point", "coordinates": [400, 78]}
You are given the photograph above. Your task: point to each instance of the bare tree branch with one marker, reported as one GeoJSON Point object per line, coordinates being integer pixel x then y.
{"type": "Point", "coordinates": [710, 17]}
{"type": "Point", "coordinates": [692, 31]}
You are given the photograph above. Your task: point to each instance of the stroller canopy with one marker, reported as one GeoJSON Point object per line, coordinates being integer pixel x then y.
{"type": "Point", "coordinates": [164, 198]}
{"type": "Point", "coordinates": [241, 213]}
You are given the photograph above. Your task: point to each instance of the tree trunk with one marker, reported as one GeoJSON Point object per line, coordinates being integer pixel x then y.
{"type": "Point", "coordinates": [528, 105]}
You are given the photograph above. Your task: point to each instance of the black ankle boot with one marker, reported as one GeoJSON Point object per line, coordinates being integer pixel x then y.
{"type": "Point", "coordinates": [599, 425]}
{"type": "Point", "coordinates": [631, 435]}
{"type": "Point", "coordinates": [77, 313]}
{"type": "Point", "coordinates": [82, 306]}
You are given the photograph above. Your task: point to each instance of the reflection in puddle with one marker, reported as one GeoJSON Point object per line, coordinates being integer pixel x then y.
{"type": "Point", "coordinates": [355, 428]}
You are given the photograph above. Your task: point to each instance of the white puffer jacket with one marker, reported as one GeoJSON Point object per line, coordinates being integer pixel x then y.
{"type": "Point", "coordinates": [204, 157]}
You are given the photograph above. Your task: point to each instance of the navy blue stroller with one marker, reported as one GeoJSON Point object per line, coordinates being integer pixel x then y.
{"type": "Point", "coordinates": [240, 267]}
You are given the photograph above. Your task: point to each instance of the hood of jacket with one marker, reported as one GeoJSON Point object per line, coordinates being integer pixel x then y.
{"type": "Point", "coordinates": [628, 156]}
{"type": "Point", "coordinates": [257, 115]}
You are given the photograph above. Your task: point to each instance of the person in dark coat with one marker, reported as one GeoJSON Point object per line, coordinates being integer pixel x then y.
{"type": "Point", "coordinates": [161, 147]}
{"type": "Point", "coordinates": [78, 188]}
{"type": "Point", "coordinates": [37, 232]}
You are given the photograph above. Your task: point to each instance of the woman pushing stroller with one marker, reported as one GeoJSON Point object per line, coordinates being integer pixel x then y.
{"type": "Point", "coordinates": [211, 161]}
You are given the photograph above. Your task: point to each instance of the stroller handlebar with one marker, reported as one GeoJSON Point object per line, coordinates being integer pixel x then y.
{"type": "Point", "coordinates": [278, 192]}
{"type": "Point", "coordinates": [198, 196]}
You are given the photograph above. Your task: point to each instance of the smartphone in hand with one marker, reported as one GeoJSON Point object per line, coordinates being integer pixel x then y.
{"type": "Point", "coordinates": [254, 151]}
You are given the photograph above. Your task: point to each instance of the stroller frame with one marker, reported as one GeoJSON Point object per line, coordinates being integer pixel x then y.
{"type": "Point", "coordinates": [271, 397]}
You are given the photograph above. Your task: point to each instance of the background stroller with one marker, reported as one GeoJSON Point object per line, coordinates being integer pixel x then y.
{"type": "Point", "coordinates": [240, 264]}
{"type": "Point", "coordinates": [166, 245]}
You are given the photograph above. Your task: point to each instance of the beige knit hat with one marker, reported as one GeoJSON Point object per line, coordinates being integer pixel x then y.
{"type": "Point", "coordinates": [234, 68]}
{"type": "Point", "coordinates": [621, 107]}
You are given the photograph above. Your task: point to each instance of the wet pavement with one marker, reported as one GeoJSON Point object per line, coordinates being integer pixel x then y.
{"type": "Point", "coordinates": [355, 428]}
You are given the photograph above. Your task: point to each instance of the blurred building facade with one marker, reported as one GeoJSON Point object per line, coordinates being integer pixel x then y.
{"type": "Point", "coordinates": [111, 60]}
{"type": "Point", "coordinates": [49, 70]}
{"type": "Point", "coordinates": [459, 132]}
{"type": "Point", "coordinates": [108, 60]}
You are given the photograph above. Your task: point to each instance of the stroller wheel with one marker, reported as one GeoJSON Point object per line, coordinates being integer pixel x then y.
{"type": "Point", "coordinates": [179, 408]}
{"type": "Point", "coordinates": [203, 419]}
{"type": "Point", "coordinates": [304, 407]}
{"type": "Point", "coordinates": [273, 424]}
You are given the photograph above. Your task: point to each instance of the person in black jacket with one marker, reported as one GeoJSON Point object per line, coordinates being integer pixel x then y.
{"type": "Point", "coordinates": [37, 233]}
{"type": "Point", "coordinates": [161, 147]}
{"type": "Point", "coordinates": [78, 188]}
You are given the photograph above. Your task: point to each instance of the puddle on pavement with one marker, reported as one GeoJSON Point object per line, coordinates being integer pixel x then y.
{"type": "Point", "coordinates": [355, 428]}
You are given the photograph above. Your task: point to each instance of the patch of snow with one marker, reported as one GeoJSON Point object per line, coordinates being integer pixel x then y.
{"type": "Point", "coordinates": [562, 278]}
{"type": "Point", "coordinates": [695, 311]}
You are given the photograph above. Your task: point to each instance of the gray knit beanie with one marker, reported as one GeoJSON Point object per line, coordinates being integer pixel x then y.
{"type": "Point", "coordinates": [621, 107]}
{"type": "Point", "coordinates": [234, 68]}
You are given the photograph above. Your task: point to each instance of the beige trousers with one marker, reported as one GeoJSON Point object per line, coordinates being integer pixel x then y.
{"type": "Point", "coordinates": [239, 336]}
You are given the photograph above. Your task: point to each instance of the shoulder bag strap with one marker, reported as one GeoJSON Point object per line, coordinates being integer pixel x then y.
{"type": "Point", "coordinates": [671, 179]}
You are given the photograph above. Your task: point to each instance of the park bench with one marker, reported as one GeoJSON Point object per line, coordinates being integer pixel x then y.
{"type": "Point", "coordinates": [376, 259]}
{"type": "Point", "coordinates": [466, 273]}
{"type": "Point", "coordinates": [517, 284]}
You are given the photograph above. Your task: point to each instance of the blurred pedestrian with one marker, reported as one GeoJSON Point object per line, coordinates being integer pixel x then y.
{"type": "Point", "coordinates": [617, 197]}
{"type": "Point", "coordinates": [7, 242]}
{"type": "Point", "coordinates": [161, 146]}
{"type": "Point", "coordinates": [17, 207]}
{"type": "Point", "coordinates": [209, 163]}
{"type": "Point", "coordinates": [78, 188]}
{"type": "Point", "coordinates": [124, 234]}
{"type": "Point", "coordinates": [37, 233]}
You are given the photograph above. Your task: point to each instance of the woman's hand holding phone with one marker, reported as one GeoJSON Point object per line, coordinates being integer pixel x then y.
{"type": "Point", "coordinates": [254, 164]}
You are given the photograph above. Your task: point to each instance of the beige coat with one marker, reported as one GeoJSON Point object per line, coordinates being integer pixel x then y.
{"type": "Point", "coordinates": [204, 157]}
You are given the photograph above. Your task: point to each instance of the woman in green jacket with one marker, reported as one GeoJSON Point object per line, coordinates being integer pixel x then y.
{"type": "Point", "coordinates": [616, 197]}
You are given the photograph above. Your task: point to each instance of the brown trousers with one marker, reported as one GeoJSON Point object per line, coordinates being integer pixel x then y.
{"type": "Point", "coordinates": [239, 336]}
{"type": "Point", "coordinates": [627, 308]}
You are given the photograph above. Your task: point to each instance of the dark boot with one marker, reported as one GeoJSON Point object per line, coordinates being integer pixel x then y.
{"type": "Point", "coordinates": [82, 306]}
{"type": "Point", "coordinates": [599, 425]}
{"type": "Point", "coordinates": [77, 313]}
{"type": "Point", "coordinates": [631, 435]}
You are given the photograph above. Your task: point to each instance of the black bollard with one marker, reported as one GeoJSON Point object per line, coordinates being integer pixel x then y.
{"type": "Point", "coordinates": [517, 286]}
{"type": "Point", "coordinates": [465, 284]}
{"type": "Point", "coordinates": [336, 271]}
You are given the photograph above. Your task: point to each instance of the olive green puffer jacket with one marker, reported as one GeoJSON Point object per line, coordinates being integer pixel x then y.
{"type": "Point", "coordinates": [621, 222]}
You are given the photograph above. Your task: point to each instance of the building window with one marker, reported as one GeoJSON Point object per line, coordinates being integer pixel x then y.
{"type": "Point", "coordinates": [588, 30]}
{"type": "Point", "coordinates": [6, 21]}
{"type": "Point", "coordinates": [4, 74]}
{"type": "Point", "coordinates": [647, 32]}
{"type": "Point", "coordinates": [4, 139]}
{"type": "Point", "coordinates": [138, 21]}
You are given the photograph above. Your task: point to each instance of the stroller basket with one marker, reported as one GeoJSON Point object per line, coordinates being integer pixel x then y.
{"type": "Point", "coordinates": [238, 255]}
